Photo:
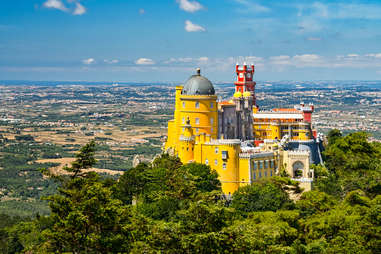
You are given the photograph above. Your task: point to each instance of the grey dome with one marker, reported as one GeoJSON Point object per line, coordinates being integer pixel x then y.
{"type": "Point", "coordinates": [198, 85]}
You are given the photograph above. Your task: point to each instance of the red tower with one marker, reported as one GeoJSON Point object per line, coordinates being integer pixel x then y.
{"type": "Point", "coordinates": [244, 82]}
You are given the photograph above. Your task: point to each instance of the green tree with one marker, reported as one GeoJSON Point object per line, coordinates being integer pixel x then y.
{"type": "Point", "coordinates": [132, 183]}
{"type": "Point", "coordinates": [206, 179]}
{"type": "Point", "coordinates": [85, 216]}
{"type": "Point", "coordinates": [349, 227]}
{"type": "Point", "coordinates": [261, 196]}
{"type": "Point", "coordinates": [333, 135]}
{"type": "Point", "coordinates": [353, 163]}
{"type": "Point", "coordinates": [313, 202]}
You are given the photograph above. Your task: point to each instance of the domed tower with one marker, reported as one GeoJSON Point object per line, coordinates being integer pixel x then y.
{"type": "Point", "coordinates": [196, 113]}
{"type": "Point", "coordinates": [198, 104]}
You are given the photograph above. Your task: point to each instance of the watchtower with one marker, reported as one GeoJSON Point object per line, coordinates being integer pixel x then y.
{"type": "Point", "coordinates": [244, 81]}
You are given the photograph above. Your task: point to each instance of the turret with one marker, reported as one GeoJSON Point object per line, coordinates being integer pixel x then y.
{"type": "Point", "coordinates": [244, 81]}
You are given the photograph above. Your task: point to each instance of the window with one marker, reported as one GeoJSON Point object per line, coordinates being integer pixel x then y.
{"type": "Point", "coordinates": [255, 165]}
{"type": "Point", "coordinates": [211, 129]}
{"type": "Point", "coordinates": [211, 105]}
{"type": "Point", "coordinates": [254, 176]}
{"type": "Point", "coordinates": [266, 164]}
{"type": "Point", "coordinates": [216, 162]}
{"type": "Point", "coordinates": [197, 104]}
{"type": "Point", "coordinates": [197, 120]}
{"type": "Point", "coordinates": [261, 165]}
{"type": "Point", "coordinates": [207, 162]}
{"type": "Point", "coordinates": [271, 173]}
{"type": "Point", "coordinates": [216, 150]}
{"type": "Point", "coordinates": [183, 120]}
{"type": "Point", "coordinates": [196, 130]}
{"type": "Point", "coordinates": [224, 165]}
{"type": "Point", "coordinates": [224, 155]}
{"type": "Point", "coordinates": [183, 104]}
{"type": "Point", "coordinates": [272, 164]}
{"type": "Point", "coordinates": [211, 120]}
{"type": "Point", "coordinates": [260, 174]}
{"type": "Point", "coordinates": [265, 173]}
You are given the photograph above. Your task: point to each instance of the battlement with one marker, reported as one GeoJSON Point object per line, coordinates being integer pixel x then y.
{"type": "Point", "coordinates": [298, 153]}
{"type": "Point", "coordinates": [256, 155]}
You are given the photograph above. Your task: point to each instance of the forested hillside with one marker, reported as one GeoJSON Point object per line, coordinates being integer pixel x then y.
{"type": "Point", "coordinates": [167, 207]}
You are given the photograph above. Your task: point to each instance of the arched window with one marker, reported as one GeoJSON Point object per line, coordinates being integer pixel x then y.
{"type": "Point", "coordinates": [197, 104]}
{"type": "Point", "coordinates": [298, 168]}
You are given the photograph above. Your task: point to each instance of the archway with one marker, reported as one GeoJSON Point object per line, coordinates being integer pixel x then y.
{"type": "Point", "coordinates": [297, 169]}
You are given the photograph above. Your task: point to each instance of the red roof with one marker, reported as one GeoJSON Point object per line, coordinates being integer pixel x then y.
{"type": "Point", "coordinates": [293, 110]}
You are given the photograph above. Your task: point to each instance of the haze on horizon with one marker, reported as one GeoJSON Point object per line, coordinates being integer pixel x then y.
{"type": "Point", "coordinates": [154, 41]}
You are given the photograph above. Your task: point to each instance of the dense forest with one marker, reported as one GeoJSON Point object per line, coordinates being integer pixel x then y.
{"type": "Point", "coordinates": [167, 207]}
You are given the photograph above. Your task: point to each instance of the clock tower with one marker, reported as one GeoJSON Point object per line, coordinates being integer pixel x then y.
{"type": "Point", "coordinates": [244, 81]}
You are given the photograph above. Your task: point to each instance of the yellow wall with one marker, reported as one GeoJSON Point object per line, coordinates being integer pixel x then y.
{"type": "Point", "coordinates": [210, 152]}
{"type": "Point", "coordinates": [204, 118]}
{"type": "Point", "coordinates": [244, 171]}
{"type": "Point", "coordinates": [268, 130]}
{"type": "Point", "coordinates": [256, 169]}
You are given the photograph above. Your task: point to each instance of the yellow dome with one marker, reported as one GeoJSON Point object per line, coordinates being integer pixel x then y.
{"type": "Point", "coordinates": [237, 94]}
{"type": "Point", "coordinates": [246, 94]}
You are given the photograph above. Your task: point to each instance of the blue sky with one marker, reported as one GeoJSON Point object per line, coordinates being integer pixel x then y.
{"type": "Point", "coordinates": [165, 40]}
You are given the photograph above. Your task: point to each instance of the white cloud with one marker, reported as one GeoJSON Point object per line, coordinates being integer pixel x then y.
{"type": "Point", "coordinates": [280, 60]}
{"type": "Point", "coordinates": [189, 6]}
{"type": "Point", "coordinates": [203, 59]}
{"type": "Point", "coordinates": [55, 4]}
{"type": "Point", "coordinates": [75, 7]}
{"type": "Point", "coordinates": [251, 7]}
{"type": "Point", "coordinates": [144, 61]}
{"type": "Point", "coordinates": [179, 60]}
{"type": "Point", "coordinates": [378, 55]}
{"type": "Point", "coordinates": [88, 61]}
{"type": "Point", "coordinates": [306, 58]}
{"type": "Point", "coordinates": [113, 61]}
{"type": "Point", "coordinates": [190, 27]}
{"type": "Point", "coordinates": [341, 10]}
{"type": "Point", "coordinates": [79, 9]}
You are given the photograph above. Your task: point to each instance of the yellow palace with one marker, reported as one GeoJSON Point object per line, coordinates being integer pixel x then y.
{"type": "Point", "coordinates": [221, 135]}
